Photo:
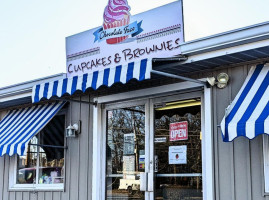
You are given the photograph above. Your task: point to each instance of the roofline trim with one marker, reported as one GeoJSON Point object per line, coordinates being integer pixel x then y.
{"type": "Point", "coordinates": [35, 80]}
{"type": "Point", "coordinates": [228, 39]}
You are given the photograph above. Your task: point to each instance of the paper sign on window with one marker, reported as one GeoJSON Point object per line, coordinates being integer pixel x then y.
{"type": "Point", "coordinates": [128, 167]}
{"type": "Point", "coordinates": [178, 154]}
{"type": "Point", "coordinates": [129, 145]}
{"type": "Point", "coordinates": [178, 131]}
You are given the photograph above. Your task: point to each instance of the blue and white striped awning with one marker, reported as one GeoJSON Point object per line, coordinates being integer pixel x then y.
{"type": "Point", "coordinates": [109, 76]}
{"type": "Point", "coordinates": [19, 126]}
{"type": "Point", "coordinates": [248, 114]}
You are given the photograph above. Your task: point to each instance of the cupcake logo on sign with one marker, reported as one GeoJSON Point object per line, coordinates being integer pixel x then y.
{"type": "Point", "coordinates": [116, 27]}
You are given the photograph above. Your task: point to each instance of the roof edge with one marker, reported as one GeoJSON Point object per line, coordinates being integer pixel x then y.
{"type": "Point", "coordinates": [253, 33]}
{"type": "Point", "coordinates": [26, 87]}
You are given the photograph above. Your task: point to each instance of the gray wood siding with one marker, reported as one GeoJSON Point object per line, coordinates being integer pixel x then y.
{"type": "Point", "coordinates": [78, 163]}
{"type": "Point", "coordinates": [238, 165]}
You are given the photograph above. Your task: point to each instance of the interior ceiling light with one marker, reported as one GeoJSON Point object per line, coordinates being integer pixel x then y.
{"type": "Point", "coordinates": [180, 104]}
{"type": "Point", "coordinates": [222, 80]}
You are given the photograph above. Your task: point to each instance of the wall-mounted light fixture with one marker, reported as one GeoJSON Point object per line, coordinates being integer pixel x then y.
{"type": "Point", "coordinates": [222, 80]}
{"type": "Point", "coordinates": [73, 130]}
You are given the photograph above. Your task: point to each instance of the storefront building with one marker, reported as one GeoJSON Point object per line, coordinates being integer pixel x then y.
{"type": "Point", "coordinates": [144, 133]}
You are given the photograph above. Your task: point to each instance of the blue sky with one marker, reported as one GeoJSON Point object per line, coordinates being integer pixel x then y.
{"type": "Point", "coordinates": [32, 33]}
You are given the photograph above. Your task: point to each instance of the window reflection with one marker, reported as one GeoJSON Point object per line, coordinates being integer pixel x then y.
{"type": "Point", "coordinates": [44, 162]}
{"type": "Point", "coordinates": [26, 172]}
{"type": "Point", "coordinates": [125, 152]}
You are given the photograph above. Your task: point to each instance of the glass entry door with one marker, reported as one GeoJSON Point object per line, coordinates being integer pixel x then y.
{"type": "Point", "coordinates": [177, 150]}
{"type": "Point", "coordinates": [125, 151]}
{"type": "Point", "coordinates": [154, 149]}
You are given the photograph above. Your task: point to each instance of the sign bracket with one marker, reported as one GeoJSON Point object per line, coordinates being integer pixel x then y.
{"type": "Point", "coordinates": [78, 101]}
{"type": "Point", "coordinates": [179, 59]}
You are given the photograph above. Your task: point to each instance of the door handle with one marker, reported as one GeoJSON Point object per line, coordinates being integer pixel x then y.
{"type": "Point", "coordinates": [143, 181]}
{"type": "Point", "coordinates": [150, 182]}
{"type": "Point", "coordinates": [146, 181]}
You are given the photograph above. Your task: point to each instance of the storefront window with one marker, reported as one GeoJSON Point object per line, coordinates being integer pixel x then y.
{"type": "Point", "coordinates": [44, 160]}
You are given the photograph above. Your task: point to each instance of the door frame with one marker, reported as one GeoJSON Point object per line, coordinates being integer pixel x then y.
{"type": "Point", "coordinates": [98, 158]}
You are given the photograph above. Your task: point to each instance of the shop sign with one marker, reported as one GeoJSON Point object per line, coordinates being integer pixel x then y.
{"type": "Point", "coordinates": [178, 154]}
{"type": "Point", "coordinates": [123, 38]}
{"type": "Point", "coordinates": [178, 131]}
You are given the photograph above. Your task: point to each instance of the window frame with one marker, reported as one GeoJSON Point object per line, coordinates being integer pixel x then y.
{"type": "Point", "coordinates": [266, 163]}
{"type": "Point", "coordinates": [14, 186]}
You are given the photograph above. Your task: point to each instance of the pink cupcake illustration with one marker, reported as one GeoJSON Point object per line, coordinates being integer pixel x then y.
{"type": "Point", "coordinates": [116, 15]}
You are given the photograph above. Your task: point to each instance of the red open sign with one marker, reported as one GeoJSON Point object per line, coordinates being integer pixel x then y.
{"type": "Point", "coordinates": [178, 131]}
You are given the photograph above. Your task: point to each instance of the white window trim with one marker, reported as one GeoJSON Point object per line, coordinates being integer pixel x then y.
{"type": "Point", "coordinates": [13, 186]}
{"type": "Point", "coordinates": [98, 166]}
{"type": "Point", "coordinates": [266, 163]}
